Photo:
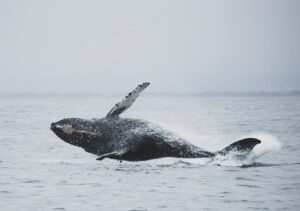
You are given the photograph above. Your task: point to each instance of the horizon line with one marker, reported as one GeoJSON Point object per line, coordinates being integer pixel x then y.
{"type": "Point", "coordinates": [195, 94]}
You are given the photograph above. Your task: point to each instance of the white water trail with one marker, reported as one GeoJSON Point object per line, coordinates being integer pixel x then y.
{"type": "Point", "coordinates": [269, 143]}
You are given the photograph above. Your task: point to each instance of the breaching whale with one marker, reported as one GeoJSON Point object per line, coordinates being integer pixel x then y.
{"type": "Point", "coordinates": [134, 139]}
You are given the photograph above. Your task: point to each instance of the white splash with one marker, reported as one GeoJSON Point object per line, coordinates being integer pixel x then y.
{"type": "Point", "coordinates": [269, 143]}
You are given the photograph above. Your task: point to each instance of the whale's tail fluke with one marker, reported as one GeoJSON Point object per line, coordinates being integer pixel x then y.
{"type": "Point", "coordinates": [243, 146]}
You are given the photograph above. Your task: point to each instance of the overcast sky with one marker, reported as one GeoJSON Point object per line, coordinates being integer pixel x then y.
{"type": "Point", "coordinates": [180, 46]}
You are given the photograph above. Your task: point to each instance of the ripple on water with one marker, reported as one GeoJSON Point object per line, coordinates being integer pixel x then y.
{"type": "Point", "coordinates": [182, 178]}
{"type": "Point", "coordinates": [162, 207]}
{"type": "Point", "coordinates": [225, 192]}
{"type": "Point", "coordinates": [258, 208]}
{"type": "Point", "coordinates": [5, 191]}
{"type": "Point", "coordinates": [248, 186]}
{"type": "Point", "coordinates": [243, 201]}
{"type": "Point", "coordinates": [244, 178]}
{"type": "Point", "coordinates": [31, 181]}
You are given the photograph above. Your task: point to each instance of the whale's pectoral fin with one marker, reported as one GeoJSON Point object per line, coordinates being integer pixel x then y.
{"type": "Point", "coordinates": [113, 155]}
{"type": "Point", "coordinates": [241, 146]}
{"type": "Point", "coordinates": [127, 102]}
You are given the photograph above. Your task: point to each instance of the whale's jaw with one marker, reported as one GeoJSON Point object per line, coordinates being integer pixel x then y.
{"type": "Point", "coordinates": [77, 132]}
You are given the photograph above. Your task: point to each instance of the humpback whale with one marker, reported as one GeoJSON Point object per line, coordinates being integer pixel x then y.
{"type": "Point", "coordinates": [134, 139]}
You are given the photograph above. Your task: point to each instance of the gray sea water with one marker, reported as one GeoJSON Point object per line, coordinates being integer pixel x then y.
{"type": "Point", "coordinates": [38, 171]}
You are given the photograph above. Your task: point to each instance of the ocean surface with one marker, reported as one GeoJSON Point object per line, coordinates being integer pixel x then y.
{"type": "Point", "coordinates": [38, 171]}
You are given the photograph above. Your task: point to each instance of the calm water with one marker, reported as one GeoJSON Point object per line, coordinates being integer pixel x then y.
{"type": "Point", "coordinates": [40, 172]}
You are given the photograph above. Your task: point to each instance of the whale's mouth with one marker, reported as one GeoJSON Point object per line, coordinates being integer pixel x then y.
{"type": "Point", "coordinates": [55, 126]}
{"type": "Point", "coordinates": [68, 129]}
{"type": "Point", "coordinates": [58, 130]}
{"type": "Point", "coordinates": [52, 127]}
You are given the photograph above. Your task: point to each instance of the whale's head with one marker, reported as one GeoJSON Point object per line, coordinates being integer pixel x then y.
{"type": "Point", "coordinates": [78, 132]}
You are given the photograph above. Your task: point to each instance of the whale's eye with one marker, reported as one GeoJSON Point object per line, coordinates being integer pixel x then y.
{"type": "Point", "coordinates": [67, 128]}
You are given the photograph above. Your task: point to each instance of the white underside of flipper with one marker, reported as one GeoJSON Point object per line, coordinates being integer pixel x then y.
{"type": "Point", "coordinates": [120, 107]}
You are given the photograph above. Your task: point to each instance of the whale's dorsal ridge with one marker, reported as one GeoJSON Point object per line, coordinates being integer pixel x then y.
{"type": "Point", "coordinates": [120, 107]}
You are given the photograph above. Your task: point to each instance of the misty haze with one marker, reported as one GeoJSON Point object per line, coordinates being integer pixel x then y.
{"type": "Point", "coordinates": [193, 46]}
{"type": "Point", "coordinates": [149, 105]}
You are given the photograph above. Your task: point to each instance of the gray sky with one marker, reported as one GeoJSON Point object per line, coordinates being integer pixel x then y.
{"type": "Point", "coordinates": [180, 46]}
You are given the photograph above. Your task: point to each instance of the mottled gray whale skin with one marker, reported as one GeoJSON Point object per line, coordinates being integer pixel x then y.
{"type": "Point", "coordinates": [133, 139]}
{"type": "Point", "coordinates": [125, 139]}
